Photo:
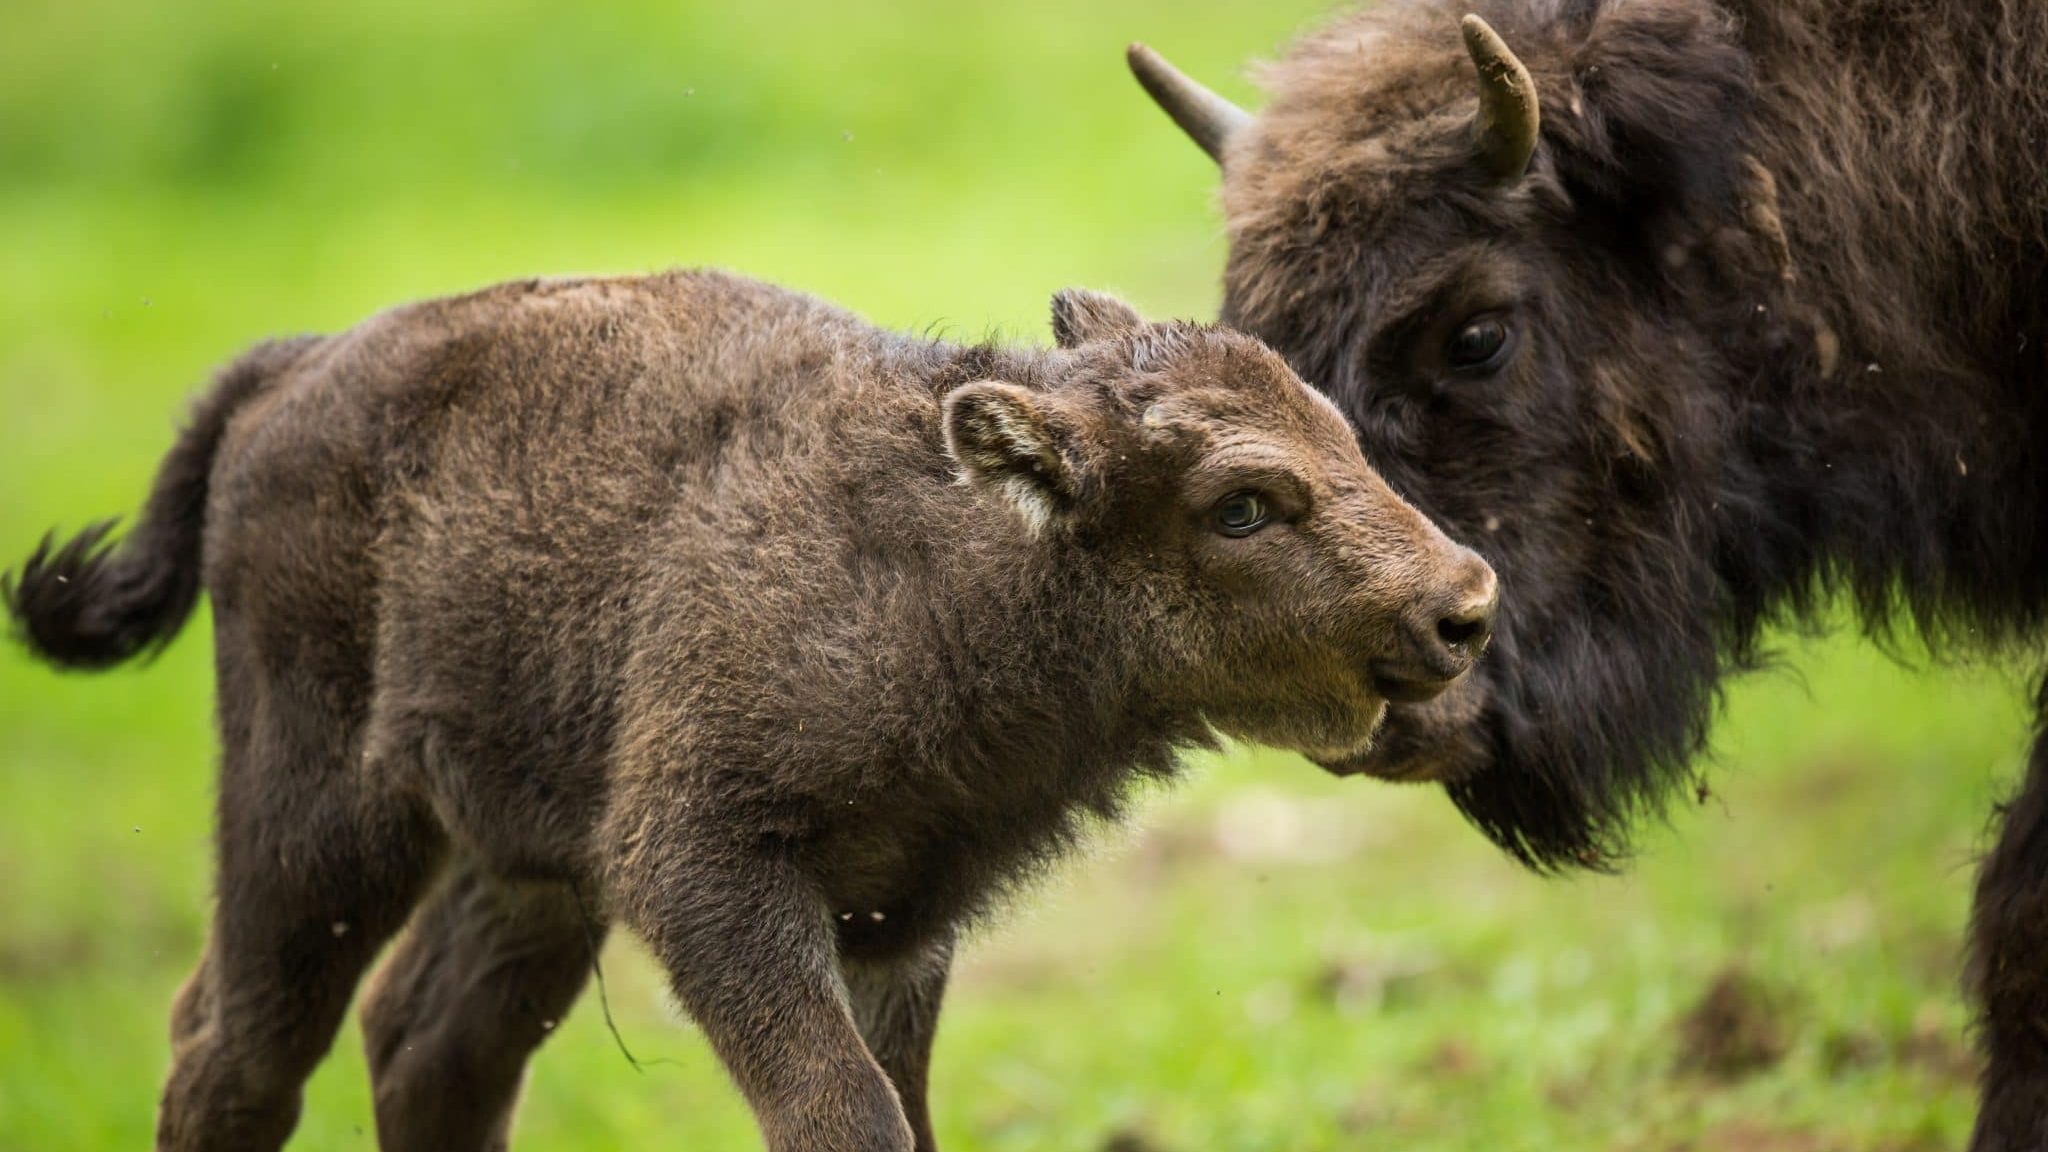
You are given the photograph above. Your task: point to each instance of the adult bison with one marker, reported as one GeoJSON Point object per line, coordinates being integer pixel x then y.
{"type": "Point", "coordinates": [1691, 314]}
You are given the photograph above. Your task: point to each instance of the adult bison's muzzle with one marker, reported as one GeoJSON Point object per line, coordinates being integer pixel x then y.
{"type": "Point", "coordinates": [1427, 739]}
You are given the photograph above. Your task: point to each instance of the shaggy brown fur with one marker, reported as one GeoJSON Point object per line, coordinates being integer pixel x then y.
{"type": "Point", "coordinates": [1774, 298]}
{"type": "Point", "coordinates": [703, 606]}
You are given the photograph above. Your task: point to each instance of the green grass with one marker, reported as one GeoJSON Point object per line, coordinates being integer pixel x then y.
{"type": "Point", "coordinates": [1268, 960]}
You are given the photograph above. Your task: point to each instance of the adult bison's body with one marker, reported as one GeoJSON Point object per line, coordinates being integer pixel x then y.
{"type": "Point", "coordinates": [1689, 314]}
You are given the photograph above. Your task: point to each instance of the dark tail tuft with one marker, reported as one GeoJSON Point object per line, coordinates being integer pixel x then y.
{"type": "Point", "coordinates": [91, 604]}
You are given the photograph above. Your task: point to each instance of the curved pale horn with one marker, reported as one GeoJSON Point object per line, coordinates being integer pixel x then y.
{"type": "Point", "coordinates": [1206, 117]}
{"type": "Point", "coordinates": [1508, 117]}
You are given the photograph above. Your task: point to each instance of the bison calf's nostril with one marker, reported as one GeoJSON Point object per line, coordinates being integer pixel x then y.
{"type": "Point", "coordinates": [1445, 635]}
{"type": "Point", "coordinates": [1466, 629]}
{"type": "Point", "coordinates": [1470, 625]}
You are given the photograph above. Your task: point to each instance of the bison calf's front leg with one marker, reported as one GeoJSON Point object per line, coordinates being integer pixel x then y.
{"type": "Point", "coordinates": [752, 955]}
{"type": "Point", "coordinates": [897, 1005]}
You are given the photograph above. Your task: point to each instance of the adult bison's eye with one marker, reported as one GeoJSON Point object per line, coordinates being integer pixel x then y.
{"type": "Point", "coordinates": [1481, 343]}
{"type": "Point", "coordinates": [1240, 514]}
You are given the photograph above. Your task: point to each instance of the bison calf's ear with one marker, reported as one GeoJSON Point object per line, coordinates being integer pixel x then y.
{"type": "Point", "coordinates": [1006, 441]}
{"type": "Point", "coordinates": [1080, 316]}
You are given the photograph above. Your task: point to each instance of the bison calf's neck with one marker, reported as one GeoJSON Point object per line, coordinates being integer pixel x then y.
{"type": "Point", "coordinates": [701, 605]}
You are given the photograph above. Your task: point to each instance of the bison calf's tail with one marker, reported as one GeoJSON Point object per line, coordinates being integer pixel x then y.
{"type": "Point", "coordinates": [92, 604]}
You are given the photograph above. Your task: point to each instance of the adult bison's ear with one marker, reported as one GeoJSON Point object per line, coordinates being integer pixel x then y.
{"type": "Point", "coordinates": [1079, 316]}
{"type": "Point", "coordinates": [1659, 109]}
{"type": "Point", "coordinates": [1010, 442]}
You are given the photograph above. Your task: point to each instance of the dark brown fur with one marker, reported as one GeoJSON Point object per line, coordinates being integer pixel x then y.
{"type": "Point", "coordinates": [704, 607]}
{"type": "Point", "coordinates": [1777, 276]}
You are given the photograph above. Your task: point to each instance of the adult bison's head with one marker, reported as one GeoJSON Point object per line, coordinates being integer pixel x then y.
{"type": "Point", "coordinates": [1527, 264]}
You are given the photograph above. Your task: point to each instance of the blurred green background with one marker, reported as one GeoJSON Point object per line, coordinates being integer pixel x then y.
{"type": "Point", "coordinates": [1268, 960]}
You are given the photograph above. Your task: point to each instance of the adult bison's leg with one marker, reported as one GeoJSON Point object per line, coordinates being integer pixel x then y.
{"type": "Point", "coordinates": [315, 873]}
{"type": "Point", "coordinates": [483, 975]}
{"type": "Point", "coordinates": [897, 1006]}
{"type": "Point", "coordinates": [2009, 967]}
{"type": "Point", "coordinates": [750, 948]}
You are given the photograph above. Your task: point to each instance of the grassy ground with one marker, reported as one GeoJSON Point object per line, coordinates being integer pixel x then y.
{"type": "Point", "coordinates": [1270, 960]}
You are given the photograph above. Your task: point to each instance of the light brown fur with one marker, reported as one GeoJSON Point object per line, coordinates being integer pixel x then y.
{"type": "Point", "coordinates": [703, 607]}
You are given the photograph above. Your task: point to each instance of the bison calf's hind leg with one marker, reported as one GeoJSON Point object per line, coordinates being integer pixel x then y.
{"type": "Point", "coordinates": [482, 976]}
{"type": "Point", "coordinates": [313, 877]}
{"type": "Point", "coordinates": [752, 954]}
{"type": "Point", "coordinates": [2009, 967]}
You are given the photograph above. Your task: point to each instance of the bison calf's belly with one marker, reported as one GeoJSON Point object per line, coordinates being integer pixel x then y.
{"type": "Point", "coordinates": [893, 885]}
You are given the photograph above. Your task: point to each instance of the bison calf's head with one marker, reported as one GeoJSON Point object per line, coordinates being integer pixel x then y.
{"type": "Point", "coordinates": [1272, 580]}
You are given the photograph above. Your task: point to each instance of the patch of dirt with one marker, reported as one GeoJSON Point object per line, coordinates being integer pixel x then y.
{"type": "Point", "coordinates": [1748, 1136]}
{"type": "Point", "coordinates": [1857, 1048]}
{"type": "Point", "coordinates": [1370, 1111]}
{"type": "Point", "coordinates": [1931, 1047]}
{"type": "Point", "coordinates": [1162, 851]}
{"type": "Point", "coordinates": [1937, 1050]}
{"type": "Point", "coordinates": [1753, 1136]}
{"type": "Point", "coordinates": [46, 957]}
{"type": "Point", "coordinates": [1365, 984]}
{"type": "Point", "coordinates": [1822, 783]}
{"type": "Point", "coordinates": [1737, 1029]}
{"type": "Point", "coordinates": [1130, 1140]}
{"type": "Point", "coordinates": [1569, 1095]}
{"type": "Point", "coordinates": [39, 956]}
{"type": "Point", "coordinates": [1454, 1058]}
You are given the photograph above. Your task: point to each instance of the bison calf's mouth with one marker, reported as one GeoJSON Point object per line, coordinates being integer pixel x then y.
{"type": "Point", "coordinates": [704, 607]}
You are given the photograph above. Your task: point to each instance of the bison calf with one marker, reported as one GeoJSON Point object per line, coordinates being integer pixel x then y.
{"type": "Point", "coordinates": [707, 608]}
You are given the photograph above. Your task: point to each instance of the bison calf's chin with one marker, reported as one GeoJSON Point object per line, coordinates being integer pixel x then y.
{"type": "Point", "coordinates": [704, 607]}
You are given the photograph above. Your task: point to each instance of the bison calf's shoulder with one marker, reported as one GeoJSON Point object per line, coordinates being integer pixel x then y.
{"type": "Point", "coordinates": [704, 607]}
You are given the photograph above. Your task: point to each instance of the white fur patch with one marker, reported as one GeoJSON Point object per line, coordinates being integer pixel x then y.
{"type": "Point", "coordinates": [995, 436]}
{"type": "Point", "coordinates": [1031, 503]}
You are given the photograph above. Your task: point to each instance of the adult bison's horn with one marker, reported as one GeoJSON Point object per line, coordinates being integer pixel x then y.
{"type": "Point", "coordinates": [1508, 117]}
{"type": "Point", "coordinates": [1206, 117]}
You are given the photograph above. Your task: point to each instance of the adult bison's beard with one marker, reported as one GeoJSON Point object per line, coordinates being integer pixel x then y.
{"type": "Point", "coordinates": [1557, 746]}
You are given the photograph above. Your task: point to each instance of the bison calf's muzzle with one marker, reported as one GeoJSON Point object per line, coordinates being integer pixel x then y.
{"type": "Point", "coordinates": [1444, 633]}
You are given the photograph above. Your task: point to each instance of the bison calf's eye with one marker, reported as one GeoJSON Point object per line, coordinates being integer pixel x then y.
{"type": "Point", "coordinates": [1480, 344]}
{"type": "Point", "coordinates": [1241, 514]}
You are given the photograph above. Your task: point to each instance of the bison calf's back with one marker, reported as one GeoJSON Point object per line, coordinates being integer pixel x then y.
{"type": "Point", "coordinates": [703, 606]}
